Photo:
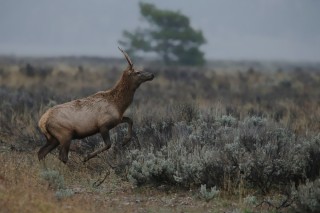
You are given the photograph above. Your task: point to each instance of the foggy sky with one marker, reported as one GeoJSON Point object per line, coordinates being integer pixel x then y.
{"type": "Point", "coordinates": [234, 29]}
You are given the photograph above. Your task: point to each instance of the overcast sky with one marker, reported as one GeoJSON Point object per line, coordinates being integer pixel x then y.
{"type": "Point", "coordinates": [234, 29]}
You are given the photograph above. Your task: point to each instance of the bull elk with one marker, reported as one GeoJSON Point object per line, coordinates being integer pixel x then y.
{"type": "Point", "coordinates": [97, 113]}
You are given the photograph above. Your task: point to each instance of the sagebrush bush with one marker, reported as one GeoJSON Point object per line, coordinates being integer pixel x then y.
{"type": "Point", "coordinates": [308, 197]}
{"type": "Point", "coordinates": [222, 152]}
{"type": "Point", "coordinates": [250, 200]}
{"type": "Point", "coordinates": [55, 180]}
{"type": "Point", "coordinates": [63, 193]}
{"type": "Point", "coordinates": [312, 147]}
{"type": "Point", "coordinates": [208, 195]}
{"type": "Point", "coordinates": [154, 169]}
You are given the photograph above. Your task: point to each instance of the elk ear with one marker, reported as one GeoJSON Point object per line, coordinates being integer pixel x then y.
{"type": "Point", "coordinates": [130, 64]}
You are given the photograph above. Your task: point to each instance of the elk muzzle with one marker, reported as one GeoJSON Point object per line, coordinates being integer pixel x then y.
{"type": "Point", "coordinates": [146, 76]}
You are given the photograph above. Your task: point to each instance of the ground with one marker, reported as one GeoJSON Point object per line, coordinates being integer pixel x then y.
{"type": "Point", "coordinates": [22, 189]}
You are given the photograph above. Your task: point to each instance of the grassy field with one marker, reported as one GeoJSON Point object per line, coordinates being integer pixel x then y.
{"type": "Point", "coordinates": [229, 137]}
{"type": "Point", "coordinates": [23, 189]}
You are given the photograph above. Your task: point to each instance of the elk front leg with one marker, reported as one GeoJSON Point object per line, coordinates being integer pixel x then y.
{"type": "Point", "coordinates": [106, 138]}
{"type": "Point", "coordinates": [130, 124]}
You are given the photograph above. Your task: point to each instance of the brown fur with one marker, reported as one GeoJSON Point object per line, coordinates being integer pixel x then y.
{"type": "Point", "coordinates": [99, 112]}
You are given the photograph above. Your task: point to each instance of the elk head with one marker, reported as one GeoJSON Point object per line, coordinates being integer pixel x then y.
{"type": "Point", "coordinates": [135, 77]}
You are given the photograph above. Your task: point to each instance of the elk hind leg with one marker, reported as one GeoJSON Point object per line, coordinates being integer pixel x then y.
{"type": "Point", "coordinates": [51, 144]}
{"type": "Point", "coordinates": [63, 154]}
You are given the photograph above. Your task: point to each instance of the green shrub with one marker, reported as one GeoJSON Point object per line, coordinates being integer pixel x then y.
{"type": "Point", "coordinates": [308, 197]}
{"type": "Point", "coordinates": [63, 193]}
{"type": "Point", "coordinates": [208, 195]}
{"type": "Point", "coordinates": [227, 120]}
{"type": "Point", "coordinates": [251, 200]}
{"type": "Point", "coordinates": [55, 180]}
{"type": "Point", "coordinates": [150, 168]}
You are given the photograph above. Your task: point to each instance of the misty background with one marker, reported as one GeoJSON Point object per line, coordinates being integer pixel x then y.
{"type": "Point", "coordinates": [237, 30]}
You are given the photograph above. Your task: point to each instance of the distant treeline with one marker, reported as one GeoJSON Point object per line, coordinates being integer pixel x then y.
{"type": "Point", "coordinates": [218, 65]}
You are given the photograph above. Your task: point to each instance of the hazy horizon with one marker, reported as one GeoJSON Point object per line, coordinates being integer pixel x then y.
{"type": "Point", "coordinates": [247, 30]}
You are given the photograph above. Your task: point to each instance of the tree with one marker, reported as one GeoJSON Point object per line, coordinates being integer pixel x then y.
{"type": "Point", "coordinates": [168, 34]}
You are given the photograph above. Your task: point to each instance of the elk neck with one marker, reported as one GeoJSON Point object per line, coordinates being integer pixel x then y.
{"type": "Point", "coordinates": [122, 94]}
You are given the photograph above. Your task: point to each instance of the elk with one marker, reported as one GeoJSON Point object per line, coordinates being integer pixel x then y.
{"type": "Point", "coordinates": [87, 116]}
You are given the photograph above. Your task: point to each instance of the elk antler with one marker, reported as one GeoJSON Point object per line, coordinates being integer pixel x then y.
{"type": "Point", "coordinates": [127, 57]}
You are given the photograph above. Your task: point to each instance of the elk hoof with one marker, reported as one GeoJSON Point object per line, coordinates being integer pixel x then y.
{"type": "Point", "coordinates": [86, 158]}
{"type": "Point", "coordinates": [63, 157]}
